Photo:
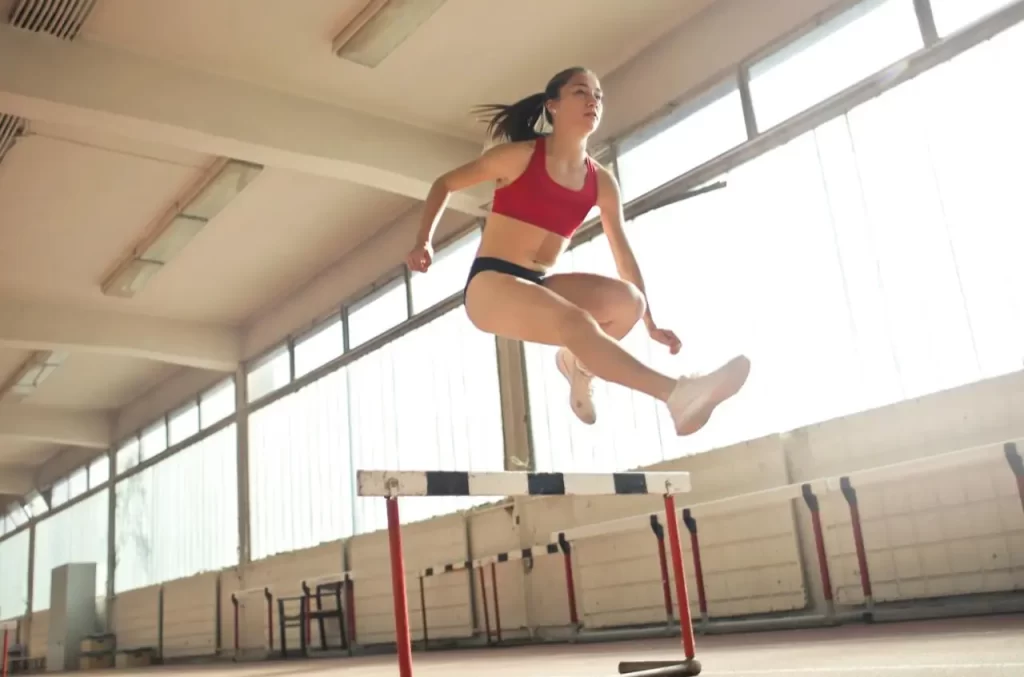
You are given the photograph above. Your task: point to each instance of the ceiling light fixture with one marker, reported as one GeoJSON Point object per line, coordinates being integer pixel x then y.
{"type": "Point", "coordinates": [33, 372]}
{"type": "Point", "coordinates": [380, 27]}
{"type": "Point", "coordinates": [203, 201]}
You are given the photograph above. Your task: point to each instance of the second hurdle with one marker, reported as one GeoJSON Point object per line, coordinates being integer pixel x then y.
{"type": "Point", "coordinates": [391, 485]}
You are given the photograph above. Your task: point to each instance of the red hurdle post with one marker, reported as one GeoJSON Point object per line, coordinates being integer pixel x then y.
{"type": "Point", "coordinates": [682, 597]}
{"type": "Point", "coordinates": [399, 592]}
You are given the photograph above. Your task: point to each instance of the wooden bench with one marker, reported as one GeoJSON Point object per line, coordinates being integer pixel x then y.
{"type": "Point", "coordinates": [96, 652]}
{"type": "Point", "coordinates": [26, 664]}
{"type": "Point", "coordinates": [136, 657]}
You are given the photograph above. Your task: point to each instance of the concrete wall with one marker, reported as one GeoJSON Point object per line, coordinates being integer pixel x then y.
{"type": "Point", "coordinates": [952, 532]}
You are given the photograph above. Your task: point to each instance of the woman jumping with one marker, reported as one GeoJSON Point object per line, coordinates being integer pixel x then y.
{"type": "Point", "coordinates": [546, 185]}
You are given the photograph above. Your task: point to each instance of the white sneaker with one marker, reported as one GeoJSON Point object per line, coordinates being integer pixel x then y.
{"type": "Point", "coordinates": [581, 386]}
{"type": "Point", "coordinates": [694, 399]}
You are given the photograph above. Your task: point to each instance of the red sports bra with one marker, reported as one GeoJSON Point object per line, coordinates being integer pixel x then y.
{"type": "Point", "coordinates": [535, 198]}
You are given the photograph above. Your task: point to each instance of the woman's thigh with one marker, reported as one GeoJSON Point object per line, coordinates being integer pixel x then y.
{"type": "Point", "coordinates": [609, 300]}
{"type": "Point", "coordinates": [507, 306]}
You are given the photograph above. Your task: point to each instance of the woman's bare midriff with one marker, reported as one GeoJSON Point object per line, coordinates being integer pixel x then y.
{"type": "Point", "coordinates": [521, 243]}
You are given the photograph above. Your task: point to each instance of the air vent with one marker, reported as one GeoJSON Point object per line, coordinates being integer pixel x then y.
{"type": "Point", "coordinates": [60, 18]}
{"type": "Point", "coordinates": [10, 128]}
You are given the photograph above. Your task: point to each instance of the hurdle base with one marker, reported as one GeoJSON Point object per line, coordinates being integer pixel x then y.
{"type": "Point", "coordinates": [685, 668]}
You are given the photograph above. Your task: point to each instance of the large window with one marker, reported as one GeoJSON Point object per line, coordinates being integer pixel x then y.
{"type": "Point", "coordinates": [300, 479]}
{"type": "Point", "coordinates": [447, 274]}
{"type": "Point", "coordinates": [14, 576]}
{"type": "Point", "coordinates": [322, 344]}
{"type": "Point", "coordinates": [705, 128]}
{"type": "Point", "coordinates": [429, 400]}
{"type": "Point", "coordinates": [271, 372]}
{"type": "Point", "coordinates": [952, 15]}
{"type": "Point", "coordinates": [76, 534]}
{"type": "Point", "coordinates": [374, 314]}
{"type": "Point", "coordinates": [182, 423]}
{"type": "Point", "coordinates": [863, 40]}
{"type": "Point", "coordinates": [217, 403]}
{"type": "Point", "coordinates": [180, 516]}
{"type": "Point", "coordinates": [862, 263]}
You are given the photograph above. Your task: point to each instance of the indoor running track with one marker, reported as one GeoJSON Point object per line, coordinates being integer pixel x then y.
{"type": "Point", "coordinates": [983, 647]}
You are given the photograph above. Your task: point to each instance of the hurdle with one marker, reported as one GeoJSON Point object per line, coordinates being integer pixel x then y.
{"type": "Point", "coordinates": [266, 638]}
{"type": "Point", "coordinates": [340, 586]}
{"type": "Point", "coordinates": [809, 493]}
{"type": "Point", "coordinates": [393, 485]}
{"type": "Point", "coordinates": [480, 565]}
{"type": "Point", "coordinates": [712, 508]}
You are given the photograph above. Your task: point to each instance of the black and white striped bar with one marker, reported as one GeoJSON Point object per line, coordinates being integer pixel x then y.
{"type": "Point", "coordinates": [451, 567]}
{"type": "Point", "coordinates": [497, 558]}
{"type": "Point", "coordinates": [456, 483]}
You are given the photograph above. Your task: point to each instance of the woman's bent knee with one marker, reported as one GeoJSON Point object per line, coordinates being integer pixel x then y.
{"type": "Point", "coordinates": [574, 323]}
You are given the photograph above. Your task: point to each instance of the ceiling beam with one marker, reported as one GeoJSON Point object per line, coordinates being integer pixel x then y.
{"type": "Point", "coordinates": [41, 326]}
{"type": "Point", "coordinates": [15, 481]}
{"type": "Point", "coordinates": [89, 429]}
{"type": "Point", "coordinates": [88, 84]}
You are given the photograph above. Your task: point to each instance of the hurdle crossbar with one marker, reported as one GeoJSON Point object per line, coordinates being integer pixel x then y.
{"type": "Point", "coordinates": [394, 484]}
{"type": "Point", "coordinates": [496, 558]}
{"type": "Point", "coordinates": [521, 554]}
{"type": "Point", "coordinates": [454, 483]}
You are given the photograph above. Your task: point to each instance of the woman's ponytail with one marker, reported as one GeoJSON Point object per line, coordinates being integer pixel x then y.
{"type": "Point", "coordinates": [518, 122]}
{"type": "Point", "coordinates": [515, 122]}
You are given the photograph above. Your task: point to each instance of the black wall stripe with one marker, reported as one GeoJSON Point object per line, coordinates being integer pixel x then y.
{"type": "Point", "coordinates": [552, 548]}
{"type": "Point", "coordinates": [630, 484]}
{"type": "Point", "coordinates": [430, 571]}
{"type": "Point", "coordinates": [527, 553]}
{"type": "Point", "coordinates": [502, 556]}
{"type": "Point", "coordinates": [447, 483]}
{"type": "Point", "coordinates": [546, 484]}
{"type": "Point", "coordinates": [448, 568]}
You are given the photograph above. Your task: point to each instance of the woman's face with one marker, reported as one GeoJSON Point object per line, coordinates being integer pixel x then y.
{"type": "Point", "coordinates": [579, 105]}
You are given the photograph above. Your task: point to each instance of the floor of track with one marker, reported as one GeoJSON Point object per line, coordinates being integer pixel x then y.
{"type": "Point", "coordinates": [989, 647]}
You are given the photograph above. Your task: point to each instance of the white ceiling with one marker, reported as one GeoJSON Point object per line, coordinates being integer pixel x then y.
{"type": "Point", "coordinates": [74, 198]}
{"type": "Point", "coordinates": [502, 48]}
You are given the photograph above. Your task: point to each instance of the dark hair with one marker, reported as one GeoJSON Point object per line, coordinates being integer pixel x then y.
{"type": "Point", "coordinates": [516, 122]}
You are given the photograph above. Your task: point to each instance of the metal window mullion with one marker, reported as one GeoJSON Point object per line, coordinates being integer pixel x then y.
{"type": "Point", "coordinates": [241, 418]}
{"type": "Point", "coordinates": [111, 538]}
{"type": "Point", "coordinates": [747, 100]}
{"type": "Point", "coordinates": [291, 359]}
{"type": "Point", "coordinates": [407, 277]}
{"type": "Point", "coordinates": [926, 21]}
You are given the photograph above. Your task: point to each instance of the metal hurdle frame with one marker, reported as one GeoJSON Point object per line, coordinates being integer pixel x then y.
{"type": "Point", "coordinates": [491, 561]}
{"type": "Point", "coordinates": [391, 485]}
{"type": "Point", "coordinates": [810, 493]}
{"type": "Point", "coordinates": [346, 579]}
{"type": "Point", "coordinates": [268, 597]}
